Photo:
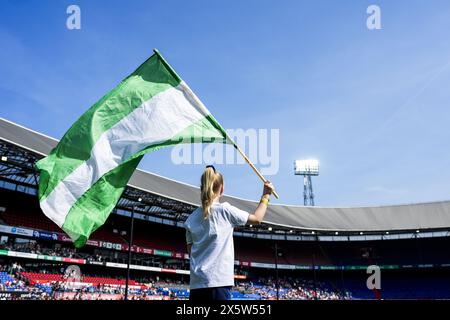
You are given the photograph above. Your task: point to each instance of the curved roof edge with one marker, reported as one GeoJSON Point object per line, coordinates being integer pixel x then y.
{"type": "Point", "coordinates": [406, 217]}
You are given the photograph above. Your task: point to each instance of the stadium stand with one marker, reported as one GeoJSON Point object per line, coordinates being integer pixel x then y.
{"type": "Point", "coordinates": [89, 287]}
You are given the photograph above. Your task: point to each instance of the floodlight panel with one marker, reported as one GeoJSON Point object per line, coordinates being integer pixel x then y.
{"type": "Point", "coordinates": [306, 167]}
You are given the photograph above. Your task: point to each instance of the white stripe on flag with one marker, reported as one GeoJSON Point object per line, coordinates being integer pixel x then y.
{"type": "Point", "coordinates": [155, 121]}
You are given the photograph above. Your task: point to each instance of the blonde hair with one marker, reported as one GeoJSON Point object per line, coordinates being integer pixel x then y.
{"type": "Point", "coordinates": [211, 182]}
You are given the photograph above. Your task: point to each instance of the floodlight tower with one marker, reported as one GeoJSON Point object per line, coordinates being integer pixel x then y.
{"type": "Point", "coordinates": [307, 169]}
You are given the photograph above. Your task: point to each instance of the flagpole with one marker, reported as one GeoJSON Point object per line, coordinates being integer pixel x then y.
{"type": "Point", "coordinates": [228, 137]}
{"type": "Point", "coordinates": [252, 166]}
{"type": "Point", "coordinates": [130, 244]}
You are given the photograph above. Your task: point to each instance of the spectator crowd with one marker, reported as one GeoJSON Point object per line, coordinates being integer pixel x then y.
{"type": "Point", "coordinates": [12, 281]}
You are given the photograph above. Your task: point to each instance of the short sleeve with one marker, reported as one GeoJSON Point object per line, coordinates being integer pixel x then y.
{"type": "Point", "coordinates": [188, 237]}
{"type": "Point", "coordinates": [237, 216]}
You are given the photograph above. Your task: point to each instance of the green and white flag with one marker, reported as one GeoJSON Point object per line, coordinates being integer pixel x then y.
{"type": "Point", "coordinates": [83, 177]}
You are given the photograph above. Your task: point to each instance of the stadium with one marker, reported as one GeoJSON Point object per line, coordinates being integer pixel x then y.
{"type": "Point", "coordinates": [304, 253]}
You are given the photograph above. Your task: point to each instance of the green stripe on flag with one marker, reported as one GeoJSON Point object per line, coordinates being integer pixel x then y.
{"type": "Point", "coordinates": [93, 208]}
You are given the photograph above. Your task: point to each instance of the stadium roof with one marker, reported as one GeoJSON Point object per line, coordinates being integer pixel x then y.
{"type": "Point", "coordinates": [397, 218]}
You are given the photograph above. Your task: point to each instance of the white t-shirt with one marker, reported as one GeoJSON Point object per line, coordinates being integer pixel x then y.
{"type": "Point", "coordinates": [212, 252]}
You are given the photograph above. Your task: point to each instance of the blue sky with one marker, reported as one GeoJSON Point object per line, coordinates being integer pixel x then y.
{"type": "Point", "coordinates": [372, 106]}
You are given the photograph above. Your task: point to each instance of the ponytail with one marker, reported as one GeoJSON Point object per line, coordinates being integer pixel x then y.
{"type": "Point", "coordinates": [211, 181]}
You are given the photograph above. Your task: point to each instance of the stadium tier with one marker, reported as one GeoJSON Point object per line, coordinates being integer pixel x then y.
{"type": "Point", "coordinates": [38, 277]}
{"type": "Point", "coordinates": [45, 285]}
{"type": "Point", "coordinates": [22, 210]}
{"type": "Point", "coordinates": [35, 277]}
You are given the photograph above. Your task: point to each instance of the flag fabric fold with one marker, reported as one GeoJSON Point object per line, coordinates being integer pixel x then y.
{"type": "Point", "coordinates": [83, 177]}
